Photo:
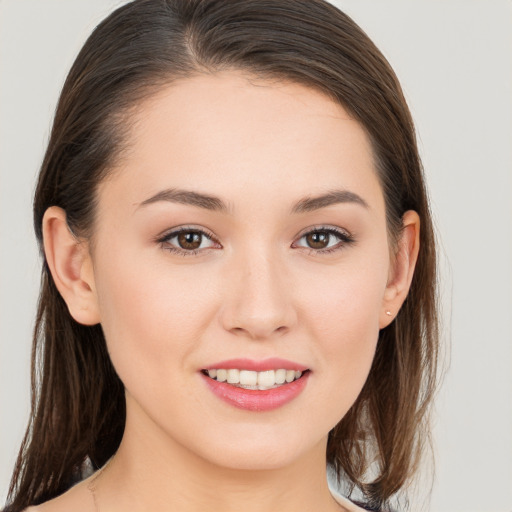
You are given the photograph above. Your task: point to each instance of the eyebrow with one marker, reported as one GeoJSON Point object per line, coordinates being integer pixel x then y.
{"type": "Point", "coordinates": [307, 204]}
{"type": "Point", "coordinates": [189, 197]}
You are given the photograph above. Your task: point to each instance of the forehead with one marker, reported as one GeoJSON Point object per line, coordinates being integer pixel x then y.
{"type": "Point", "coordinates": [228, 133]}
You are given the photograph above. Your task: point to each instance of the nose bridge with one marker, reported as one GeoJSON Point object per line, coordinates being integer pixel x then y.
{"type": "Point", "coordinates": [258, 302]}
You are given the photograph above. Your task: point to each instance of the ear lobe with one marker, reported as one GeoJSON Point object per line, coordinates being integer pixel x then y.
{"type": "Point", "coordinates": [71, 267]}
{"type": "Point", "coordinates": [402, 268]}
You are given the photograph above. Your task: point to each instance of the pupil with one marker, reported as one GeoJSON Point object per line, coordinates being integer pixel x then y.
{"type": "Point", "coordinates": [318, 240]}
{"type": "Point", "coordinates": [189, 240]}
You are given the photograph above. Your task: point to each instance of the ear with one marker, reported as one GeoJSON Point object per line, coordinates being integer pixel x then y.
{"type": "Point", "coordinates": [71, 266]}
{"type": "Point", "coordinates": [402, 268]}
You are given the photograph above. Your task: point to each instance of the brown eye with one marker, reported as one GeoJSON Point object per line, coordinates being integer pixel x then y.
{"type": "Point", "coordinates": [325, 240]}
{"type": "Point", "coordinates": [318, 239]}
{"type": "Point", "coordinates": [190, 240]}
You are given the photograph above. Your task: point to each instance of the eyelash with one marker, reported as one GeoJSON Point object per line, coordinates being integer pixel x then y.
{"type": "Point", "coordinates": [164, 240]}
{"type": "Point", "coordinates": [344, 239]}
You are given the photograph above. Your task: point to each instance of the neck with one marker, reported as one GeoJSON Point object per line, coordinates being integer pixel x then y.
{"type": "Point", "coordinates": [152, 472]}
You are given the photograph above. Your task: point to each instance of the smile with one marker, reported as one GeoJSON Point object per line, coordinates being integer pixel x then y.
{"type": "Point", "coordinates": [256, 390]}
{"type": "Point", "coordinates": [248, 379]}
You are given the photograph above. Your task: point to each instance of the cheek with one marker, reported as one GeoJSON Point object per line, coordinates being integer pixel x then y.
{"type": "Point", "coordinates": [152, 318]}
{"type": "Point", "coordinates": [343, 307]}
{"type": "Point", "coordinates": [346, 299]}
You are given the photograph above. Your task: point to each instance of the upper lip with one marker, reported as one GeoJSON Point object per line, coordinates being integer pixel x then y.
{"type": "Point", "coordinates": [273, 363]}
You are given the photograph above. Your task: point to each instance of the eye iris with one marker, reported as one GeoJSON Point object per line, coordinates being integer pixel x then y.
{"type": "Point", "coordinates": [318, 240]}
{"type": "Point", "coordinates": [189, 240]}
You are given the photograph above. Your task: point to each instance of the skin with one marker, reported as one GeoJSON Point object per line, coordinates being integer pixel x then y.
{"type": "Point", "coordinates": [255, 291]}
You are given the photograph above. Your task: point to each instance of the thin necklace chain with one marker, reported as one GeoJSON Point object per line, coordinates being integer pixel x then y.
{"type": "Point", "coordinates": [91, 487]}
{"type": "Point", "coordinates": [93, 483]}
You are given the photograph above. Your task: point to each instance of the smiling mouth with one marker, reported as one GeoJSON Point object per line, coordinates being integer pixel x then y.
{"type": "Point", "coordinates": [248, 379]}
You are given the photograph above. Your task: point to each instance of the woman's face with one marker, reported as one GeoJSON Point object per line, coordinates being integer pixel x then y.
{"type": "Point", "coordinates": [245, 223]}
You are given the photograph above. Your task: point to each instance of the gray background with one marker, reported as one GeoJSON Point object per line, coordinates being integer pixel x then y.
{"type": "Point", "coordinates": [454, 59]}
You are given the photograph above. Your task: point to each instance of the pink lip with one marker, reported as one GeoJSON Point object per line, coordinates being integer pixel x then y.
{"type": "Point", "coordinates": [274, 363]}
{"type": "Point", "coordinates": [253, 399]}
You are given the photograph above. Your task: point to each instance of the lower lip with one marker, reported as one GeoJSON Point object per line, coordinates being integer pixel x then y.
{"type": "Point", "coordinates": [254, 399]}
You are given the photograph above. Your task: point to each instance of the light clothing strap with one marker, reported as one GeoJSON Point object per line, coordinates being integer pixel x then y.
{"type": "Point", "coordinates": [345, 502]}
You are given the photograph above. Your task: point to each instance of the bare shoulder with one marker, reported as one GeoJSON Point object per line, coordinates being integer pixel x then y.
{"type": "Point", "coordinates": [77, 499]}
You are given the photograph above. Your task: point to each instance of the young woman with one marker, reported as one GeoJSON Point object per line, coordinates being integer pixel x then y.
{"type": "Point", "coordinates": [239, 269]}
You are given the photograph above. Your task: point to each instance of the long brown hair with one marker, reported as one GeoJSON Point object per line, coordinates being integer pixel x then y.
{"type": "Point", "coordinates": [78, 407]}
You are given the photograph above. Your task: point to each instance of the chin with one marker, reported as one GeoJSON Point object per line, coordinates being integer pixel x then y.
{"type": "Point", "coordinates": [249, 461]}
{"type": "Point", "coordinates": [252, 453]}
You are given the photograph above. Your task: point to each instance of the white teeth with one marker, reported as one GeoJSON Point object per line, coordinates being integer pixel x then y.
{"type": "Point", "coordinates": [255, 380]}
{"type": "Point", "coordinates": [266, 379]}
{"type": "Point", "coordinates": [233, 376]}
{"type": "Point", "coordinates": [248, 378]}
{"type": "Point", "coordinates": [290, 375]}
{"type": "Point", "coordinates": [280, 376]}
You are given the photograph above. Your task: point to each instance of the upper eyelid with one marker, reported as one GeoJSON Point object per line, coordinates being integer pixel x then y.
{"type": "Point", "coordinates": [329, 228]}
{"type": "Point", "coordinates": [170, 233]}
{"type": "Point", "coordinates": [173, 232]}
{"type": "Point", "coordinates": [345, 238]}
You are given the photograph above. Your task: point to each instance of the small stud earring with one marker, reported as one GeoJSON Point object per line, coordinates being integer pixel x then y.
{"type": "Point", "coordinates": [388, 313]}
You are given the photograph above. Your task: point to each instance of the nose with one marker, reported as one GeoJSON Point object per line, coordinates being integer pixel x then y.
{"type": "Point", "coordinates": [258, 298]}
